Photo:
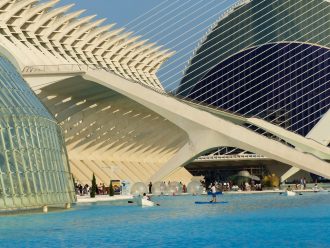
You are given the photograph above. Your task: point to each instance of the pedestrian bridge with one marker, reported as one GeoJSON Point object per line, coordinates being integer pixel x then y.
{"type": "Point", "coordinates": [190, 129]}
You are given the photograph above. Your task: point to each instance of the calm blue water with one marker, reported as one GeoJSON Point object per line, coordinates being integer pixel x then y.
{"type": "Point", "coordinates": [246, 221]}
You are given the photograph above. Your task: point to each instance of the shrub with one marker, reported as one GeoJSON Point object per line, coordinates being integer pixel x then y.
{"type": "Point", "coordinates": [111, 190]}
{"type": "Point", "coordinates": [94, 187]}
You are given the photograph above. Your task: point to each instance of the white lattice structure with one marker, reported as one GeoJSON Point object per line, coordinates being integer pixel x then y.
{"type": "Point", "coordinates": [53, 36]}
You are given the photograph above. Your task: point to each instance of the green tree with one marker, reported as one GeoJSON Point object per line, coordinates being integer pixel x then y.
{"type": "Point", "coordinates": [111, 190]}
{"type": "Point", "coordinates": [94, 187]}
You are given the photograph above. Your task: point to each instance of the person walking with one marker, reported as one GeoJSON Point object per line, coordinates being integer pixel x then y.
{"type": "Point", "coordinates": [301, 183]}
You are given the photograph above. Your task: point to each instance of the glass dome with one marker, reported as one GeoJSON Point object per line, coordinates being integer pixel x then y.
{"type": "Point", "coordinates": [34, 169]}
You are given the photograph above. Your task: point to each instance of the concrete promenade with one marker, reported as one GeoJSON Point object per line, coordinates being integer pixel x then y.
{"type": "Point", "coordinates": [106, 198]}
{"type": "Point", "coordinates": [102, 198]}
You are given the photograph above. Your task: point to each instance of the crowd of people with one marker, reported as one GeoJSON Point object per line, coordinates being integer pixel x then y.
{"type": "Point", "coordinates": [82, 190]}
{"type": "Point", "coordinates": [299, 185]}
{"type": "Point", "coordinates": [250, 185]}
{"type": "Point", "coordinates": [85, 189]}
{"type": "Point", "coordinates": [208, 185]}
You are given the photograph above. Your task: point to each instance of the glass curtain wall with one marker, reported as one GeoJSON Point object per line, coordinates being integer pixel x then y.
{"type": "Point", "coordinates": [257, 23]}
{"type": "Point", "coordinates": [34, 168]}
{"type": "Point", "coordinates": [287, 84]}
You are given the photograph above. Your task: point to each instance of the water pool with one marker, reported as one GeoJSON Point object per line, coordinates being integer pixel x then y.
{"type": "Point", "coordinates": [247, 220]}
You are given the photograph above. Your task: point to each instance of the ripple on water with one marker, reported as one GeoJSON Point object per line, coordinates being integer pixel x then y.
{"type": "Point", "coordinates": [247, 220]}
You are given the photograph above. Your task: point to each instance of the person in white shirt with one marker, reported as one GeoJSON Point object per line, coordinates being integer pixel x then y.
{"type": "Point", "coordinates": [214, 193]}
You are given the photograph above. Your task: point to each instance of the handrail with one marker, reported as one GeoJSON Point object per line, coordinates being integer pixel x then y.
{"type": "Point", "coordinates": [60, 68]}
{"type": "Point", "coordinates": [81, 68]}
{"type": "Point", "coordinates": [235, 156]}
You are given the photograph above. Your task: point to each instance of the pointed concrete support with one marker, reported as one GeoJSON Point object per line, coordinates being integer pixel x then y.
{"type": "Point", "coordinates": [289, 173]}
{"type": "Point", "coordinates": [186, 154]}
{"type": "Point", "coordinates": [204, 128]}
{"type": "Point", "coordinates": [199, 143]}
{"type": "Point", "coordinates": [320, 132]}
{"type": "Point", "coordinates": [67, 205]}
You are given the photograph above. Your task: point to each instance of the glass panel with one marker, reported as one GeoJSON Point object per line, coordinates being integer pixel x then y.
{"type": "Point", "coordinates": [32, 168]}
{"type": "Point", "coordinates": [283, 83]}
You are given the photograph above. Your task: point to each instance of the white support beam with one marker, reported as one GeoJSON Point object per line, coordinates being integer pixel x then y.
{"type": "Point", "coordinates": [321, 131]}
{"type": "Point", "coordinates": [289, 173]}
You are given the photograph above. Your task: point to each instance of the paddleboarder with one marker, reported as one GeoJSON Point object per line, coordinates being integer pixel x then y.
{"type": "Point", "coordinates": [214, 193]}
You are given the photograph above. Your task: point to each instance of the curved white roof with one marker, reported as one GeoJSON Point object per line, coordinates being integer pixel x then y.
{"type": "Point", "coordinates": [55, 36]}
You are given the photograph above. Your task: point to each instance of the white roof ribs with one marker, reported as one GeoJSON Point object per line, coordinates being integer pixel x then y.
{"type": "Point", "coordinates": [34, 10]}
{"type": "Point", "coordinates": [58, 36]}
{"type": "Point", "coordinates": [70, 21]}
{"type": "Point", "coordinates": [46, 17]}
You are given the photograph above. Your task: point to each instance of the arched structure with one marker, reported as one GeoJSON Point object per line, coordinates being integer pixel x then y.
{"type": "Point", "coordinates": [118, 122]}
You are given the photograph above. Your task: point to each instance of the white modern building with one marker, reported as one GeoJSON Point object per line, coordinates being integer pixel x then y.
{"type": "Point", "coordinates": [269, 61]}
{"type": "Point", "coordinates": [100, 84]}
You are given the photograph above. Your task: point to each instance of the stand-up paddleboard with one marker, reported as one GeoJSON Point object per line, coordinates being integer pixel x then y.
{"type": "Point", "coordinates": [219, 202]}
{"type": "Point", "coordinates": [217, 193]}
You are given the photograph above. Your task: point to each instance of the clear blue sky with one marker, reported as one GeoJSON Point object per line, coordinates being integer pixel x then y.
{"type": "Point", "coordinates": [119, 11]}
{"type": "Point", "coordinates": [178, 25]}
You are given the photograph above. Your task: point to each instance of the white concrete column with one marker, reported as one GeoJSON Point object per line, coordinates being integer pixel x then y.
{"type": "Point", "coordinates": [289, 173]}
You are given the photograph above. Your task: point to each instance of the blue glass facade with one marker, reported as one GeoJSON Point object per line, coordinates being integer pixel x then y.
{"type": "Point", "coordinates": [257, 23]}
{"type": "Point", "coordinates": [34, 168]}
{"type": "Point", "coordinates": [285, 83]}
{"type": "Point", "coordinates": [268, 59]}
